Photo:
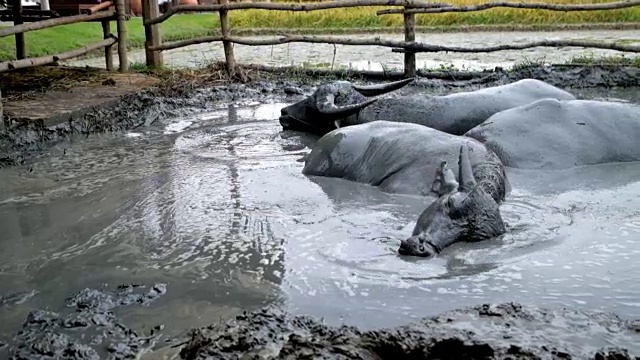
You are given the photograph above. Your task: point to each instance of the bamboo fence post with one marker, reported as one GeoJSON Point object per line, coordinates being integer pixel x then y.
{"type": "Point", "coordinates": [228, 46]}
{"type": "Point", "coordinates": [16, 8]}
{"type": "Point", "coordinates": [122, 35]}
{"type": "Point", "coordinates": [108, 50]}
{"type": "Point", "coordinates": [409, 36]}
{"type": "Point", "coordinates": [151, 10]}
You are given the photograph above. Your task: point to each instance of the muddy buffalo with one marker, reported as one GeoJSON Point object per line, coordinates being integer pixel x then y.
{"type": "Point", "coordinates": [341, 104]}
{"type": "Point", "coordinates": [566, 134]}
{"type": "Point", "coordinates": [412, 159]}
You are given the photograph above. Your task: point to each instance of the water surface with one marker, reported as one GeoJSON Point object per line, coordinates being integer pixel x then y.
{"type": "Point", "coordinates": [216, 207]}
{"type": "Point", "coordinates": [379, 58]}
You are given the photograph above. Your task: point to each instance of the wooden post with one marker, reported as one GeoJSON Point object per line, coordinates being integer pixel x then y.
{"type": "Point", "coordinates": [108, 51]}
{"type": "Point", "coordinates": [151, 10]}
{"type": "Point", "coordinates": [21, 52]}
{"type": "Point", "coordinates": [409, 35]}
{"type": "Point", "coordinates": [228, 46]}
{"type": "Point", "coordinates": [122, 35]}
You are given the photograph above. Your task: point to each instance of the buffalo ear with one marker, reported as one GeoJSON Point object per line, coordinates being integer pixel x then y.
{"type": "Point", "coordinates": [445, 181]}
{"type": "Point", "coordinates": [465, 172]}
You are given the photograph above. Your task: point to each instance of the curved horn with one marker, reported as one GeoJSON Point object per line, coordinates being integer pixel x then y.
{"type": "Point", "coordinates": [374, 90]}
{"type": "Point", "coordinates": [465, 172]}
{"type": "Point", "coordinates": [334, 112]}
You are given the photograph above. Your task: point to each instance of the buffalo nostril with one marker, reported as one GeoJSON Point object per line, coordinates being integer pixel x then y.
{"type": "Point", "coordinates": [403, 249]}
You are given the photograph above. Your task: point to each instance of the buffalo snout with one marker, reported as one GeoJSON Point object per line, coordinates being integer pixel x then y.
{"type": "Point", "coordinates": [417, 246]}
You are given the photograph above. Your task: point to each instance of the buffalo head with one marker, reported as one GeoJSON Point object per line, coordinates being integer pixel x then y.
{"type": "Point", "coordinates": [462, 212]}
{"type": "Point", "coordinates": [322, 111]}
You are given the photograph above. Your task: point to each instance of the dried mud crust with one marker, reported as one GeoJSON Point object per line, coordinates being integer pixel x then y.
{"type": "Point", "coordinates": [25, 139]}
{"type": "Point", "coordinates": [501, 331]}
{"type": "Point", "coordinates": [87, 329]}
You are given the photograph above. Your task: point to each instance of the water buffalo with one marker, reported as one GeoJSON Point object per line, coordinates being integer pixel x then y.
{"type": "Point", "coordinates": [464, 211]}
{"type": "Point", "coordinates": [412, 159]}
{"type": "Point", "coordinates": [341, 104]}
{"type": "Point", "coordinates": [331, 103]}
{"type": "Point", "coordinates": [566, 134]}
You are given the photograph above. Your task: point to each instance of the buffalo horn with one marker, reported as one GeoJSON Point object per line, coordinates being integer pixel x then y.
{"type": "Point", "coordinates": [465, 172]}
{"type": "Point", "coordinates": [329, 108]}
{"type": "Point", "coordinates": [379, 89]}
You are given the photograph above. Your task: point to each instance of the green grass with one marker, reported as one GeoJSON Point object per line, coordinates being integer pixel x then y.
{"type": "Point", "coordinates": [184, 26]}
{"type": "Point", "coordinates": [68, 37]}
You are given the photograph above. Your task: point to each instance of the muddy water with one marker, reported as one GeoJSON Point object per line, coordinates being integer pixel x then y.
{"type": "Point", "coordinates": [377, 58]}
{"type": "Point", "coordinates": [215, 206]}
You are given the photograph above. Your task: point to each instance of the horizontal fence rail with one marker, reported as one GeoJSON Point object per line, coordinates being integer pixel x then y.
{"type": "Point", "coordinates": [50, 59]}
{"type": "Point", "coordinates": [103, 13]}
{"type": "Point", "coordinates": [17, 29]}
{"type": "Point", "coordinates": [514, 5]}
{"type": "Point", "coordinates": [288, 6]}
{"type": "Point", "coordinates": [408, 8]}
{"type": "Point", "coordinates": [411, 46]}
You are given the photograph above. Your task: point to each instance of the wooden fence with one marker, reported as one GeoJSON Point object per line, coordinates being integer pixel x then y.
{"type": "Point", "coordinates": [408, 8]}
{"type": "Point", "coordinates": [105, 12]}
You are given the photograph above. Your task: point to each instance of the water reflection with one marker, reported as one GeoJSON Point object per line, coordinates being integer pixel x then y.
{"type": "Point", "coordinates": [153, 213]}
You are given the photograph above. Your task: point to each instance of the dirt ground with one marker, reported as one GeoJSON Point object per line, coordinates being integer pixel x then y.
{"type": "Point", "coordinates": [52, 93]}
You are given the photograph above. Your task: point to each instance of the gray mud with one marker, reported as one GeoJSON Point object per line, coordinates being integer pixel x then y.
{"type": "Point", "coordinates": [501, 331]}
{"type": "Point", "coordinates": [87, 328]}
{"type": "Point", "coordinates": [22, 141]}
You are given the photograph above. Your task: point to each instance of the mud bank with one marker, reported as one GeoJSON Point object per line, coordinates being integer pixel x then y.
{"type": "Point", "coordinates": [24, 140]}
{"type": "Point", "coordinates": [564, 76]}
{"type": "Point", "coordinates": [501, 331]}
{"type": "Point", "coordinates": [87, 329]}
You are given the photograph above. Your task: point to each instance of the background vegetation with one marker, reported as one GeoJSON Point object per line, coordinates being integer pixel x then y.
{"type": "Point", "coordinates": [184, 26]}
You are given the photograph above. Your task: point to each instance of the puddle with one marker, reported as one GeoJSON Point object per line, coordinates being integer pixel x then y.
{"type": "Point", "coordinates": [215, 206]}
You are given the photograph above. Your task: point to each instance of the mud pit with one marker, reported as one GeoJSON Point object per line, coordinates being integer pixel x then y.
{"type": "Point", "coordinates": [205, 195]}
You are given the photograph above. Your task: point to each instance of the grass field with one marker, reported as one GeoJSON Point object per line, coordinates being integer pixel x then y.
{"type": "Point", "coordinates": [184, 26]}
